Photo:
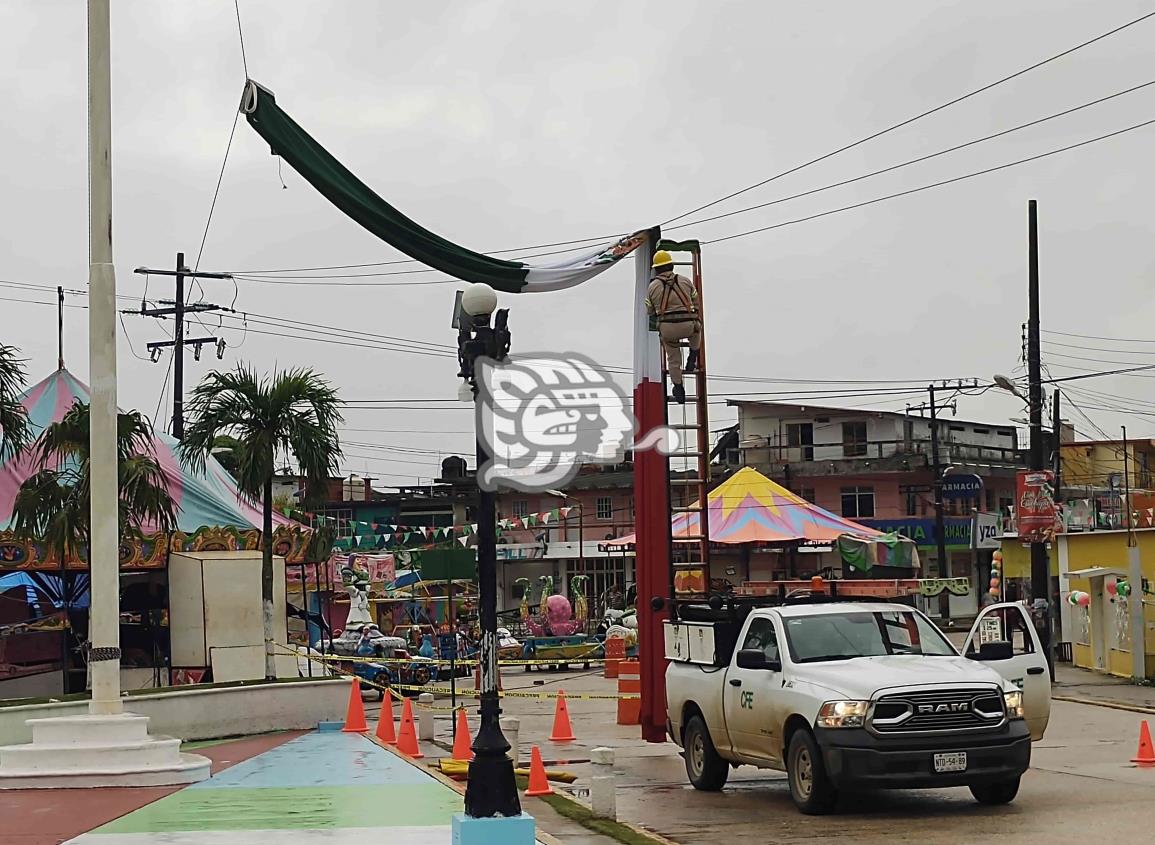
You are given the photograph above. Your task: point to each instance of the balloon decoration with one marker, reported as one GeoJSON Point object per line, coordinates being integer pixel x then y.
{"type": "Point", "coordinates": [1078, 598]}
{"type": "Point", "coordinates": [1124, 588]}
{"type": "Point", "coordinates": [1112, 588]}
{"type": "Point", "coordinates": [996, 574]}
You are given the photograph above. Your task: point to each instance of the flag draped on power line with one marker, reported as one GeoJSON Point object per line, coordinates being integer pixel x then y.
{"type": "Point", "coordinates": [342, 188]}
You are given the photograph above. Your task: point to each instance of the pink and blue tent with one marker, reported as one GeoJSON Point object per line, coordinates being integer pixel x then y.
{"type": "Point", "coordinates": [206, 498]}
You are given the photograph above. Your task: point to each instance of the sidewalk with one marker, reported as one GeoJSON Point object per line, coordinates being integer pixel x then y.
{"type": "Point", "coordinates": [1089, 687]}
{"type": "Point", "coordinates": [327, 787]}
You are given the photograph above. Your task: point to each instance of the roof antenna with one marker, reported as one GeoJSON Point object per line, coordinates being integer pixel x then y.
{"type": "Point", "coordinates": [59, 327]}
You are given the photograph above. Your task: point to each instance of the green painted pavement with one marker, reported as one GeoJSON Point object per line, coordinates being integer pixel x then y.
{"type": "Point", "coordinates": [294, 809]}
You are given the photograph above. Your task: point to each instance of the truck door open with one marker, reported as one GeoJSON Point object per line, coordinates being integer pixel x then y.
{"type": "Point", "coordinates": [1027, 668]}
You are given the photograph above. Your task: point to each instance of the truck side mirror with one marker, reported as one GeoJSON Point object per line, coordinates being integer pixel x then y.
{"type": "Point", "coordinates": [755, 658]}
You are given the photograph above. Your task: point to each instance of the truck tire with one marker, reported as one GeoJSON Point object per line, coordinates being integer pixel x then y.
{"type": "Point", "coordinates": [995, 792]}
{"type": "Point", "coordinates": [810, 788]}
{"type": "Point", "coordinates": [706, 770]}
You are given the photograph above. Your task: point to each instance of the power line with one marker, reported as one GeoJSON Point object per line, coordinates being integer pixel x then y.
{"type": "Point", "coordinates": [1100, 337]}
{"type": "Point", "coordinates": [917, 160]}
{"type": "Point", "coordinates": [938, 184]}
{"type": "Point", "coordinates": [241, 37]}
{"type": "Point", "coordinates": [911, 120]}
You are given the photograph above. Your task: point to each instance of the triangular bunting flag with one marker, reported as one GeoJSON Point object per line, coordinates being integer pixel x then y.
{"type": "Point", "coordinates": [463, 541]}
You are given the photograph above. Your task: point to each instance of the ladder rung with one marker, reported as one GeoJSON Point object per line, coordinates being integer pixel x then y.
{"type": "Point", "coordinates": [681, 538]}
{"type": "Point", "coordinates": [684, 426]}
{"type": "Point", "coordinates": [686, 510]}
{"type": "Point", "coordinates": [685, 481]}
{"type": "Point", "coordinates": [685, 455]}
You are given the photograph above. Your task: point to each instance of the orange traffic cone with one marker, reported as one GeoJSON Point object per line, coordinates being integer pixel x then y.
{"type": "Point", "coordinates": [407, 738]}
{"type": "Point", "coordinates": [538, 782]}
{"type": "Point", "coordinates": [461, 740]}
{"type": "Point", "coordinates": [355, 715]}
{"type": "Point", "coordinates": [385, 730]}
{"type": "Point", "coordinates": [1146, 754]}
{"type": "Point", "coordinates": [562, 729]}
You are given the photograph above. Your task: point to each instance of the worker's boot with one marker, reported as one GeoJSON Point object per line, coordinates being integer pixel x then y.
{"type": "Point", "coordinates": [692, 361]}
{"type": "Point", "coordinates": [680, 394]}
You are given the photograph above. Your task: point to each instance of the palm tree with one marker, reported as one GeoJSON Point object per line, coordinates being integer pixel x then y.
{"type": "Point", "coordinates": [292, 414]}
{"type": "Point", "coordinates": [14, 429]}
{"type": "Point", "coordinates": [53, 504]}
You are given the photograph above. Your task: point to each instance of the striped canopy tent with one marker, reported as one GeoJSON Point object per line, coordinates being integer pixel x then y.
{"type": "Point", "coordinates": [212, 515]}
{"type": "Point", "coordinates": [750, 508]}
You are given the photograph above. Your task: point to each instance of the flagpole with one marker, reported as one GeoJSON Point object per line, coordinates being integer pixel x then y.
{"type": "Point", "coordinates": [104, 562]}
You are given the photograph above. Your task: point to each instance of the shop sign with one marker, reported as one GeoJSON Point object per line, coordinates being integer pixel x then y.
{"type": "Point", "coordinates": [987, 531]}
{"type": "Point", "coordinates": [1035, 510]}
{"type": "Point", "coordinates": [921, 531]}
{"type": "Point", "coordinates": [963, 486]}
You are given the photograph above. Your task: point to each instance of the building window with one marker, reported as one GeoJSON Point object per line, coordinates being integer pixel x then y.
{"type": "Point", "coordinates": [341, 519]}
{"type": "Point", "coordinates": [521, 508]}
{"type": "Point", "coordinates": [801, 436]}
{"type": "Point", "coordinates": [990, 500]}
{"type": "Point", "coordinates": [605, 507]}
{"type": "Point", "coordinates": [631, 507]}
{"type": "Point", "coordinates": [911, 504]}
{"type": "Point", "coordinates": [806, 493]}
{"type": "Point", "coordinates": [858, 502]}
{"type": "Point", "coordinates": [854, 439]}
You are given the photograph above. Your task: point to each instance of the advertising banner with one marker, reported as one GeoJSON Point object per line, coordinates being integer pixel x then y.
{"type": "Point", "coordinates": [1035, 494]}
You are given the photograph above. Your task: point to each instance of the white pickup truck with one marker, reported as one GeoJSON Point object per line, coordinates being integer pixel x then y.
{"type": "Point", "coordinates": [847, 696]}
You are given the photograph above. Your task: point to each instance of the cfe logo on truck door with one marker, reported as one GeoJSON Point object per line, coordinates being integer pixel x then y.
{"type": "Point", "coordinates": [747, 701]}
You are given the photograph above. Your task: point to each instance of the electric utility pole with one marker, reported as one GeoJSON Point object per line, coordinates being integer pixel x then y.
{"type": "Point", "coordinates": [939, 521]}
{"type": "Point", "coordinates": [178, 309]}
{"type": "Point", "coordinates": [1040, 570]}
{"type": "Point", "coordinates": [936, 469]}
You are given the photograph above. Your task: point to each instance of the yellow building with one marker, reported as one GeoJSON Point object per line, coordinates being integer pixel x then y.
{"type": "Point", "coordinates": [1094, 562]}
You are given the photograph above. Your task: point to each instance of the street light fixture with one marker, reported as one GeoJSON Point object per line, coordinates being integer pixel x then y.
{"type": "Point", "coordinates": [1008, 384]}
{"type": "Point", "coordinates": [491, 791]}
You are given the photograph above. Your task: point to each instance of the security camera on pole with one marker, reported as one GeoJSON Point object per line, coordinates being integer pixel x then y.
{"type": "Point", "coordinates": [491, 794]}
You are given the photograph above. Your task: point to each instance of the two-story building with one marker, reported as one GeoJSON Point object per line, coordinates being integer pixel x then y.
{"type": "Point", "coordinates": [875, 467]}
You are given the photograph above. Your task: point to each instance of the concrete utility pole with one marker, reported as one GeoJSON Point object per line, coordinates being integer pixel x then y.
{"type": "Point", "coordinates": [1134, 575]}
{"type": "Point", "coordinates": [178, 309]}
{"type": "Point", "coordinates": [1040, 571]}
{"type": "Point", "coordinates": [104, 558]}
{"type": "Point", "coordinates": [939, 521]}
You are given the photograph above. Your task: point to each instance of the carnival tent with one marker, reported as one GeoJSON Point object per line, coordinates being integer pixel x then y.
{"type": "Point", "coordinates": [750, 508]}
{"type": "Point", "coordinates": [208, 498]}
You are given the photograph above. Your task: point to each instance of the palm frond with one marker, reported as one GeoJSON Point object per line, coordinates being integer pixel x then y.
{"type": "Point", "coordinates": [15, 430]}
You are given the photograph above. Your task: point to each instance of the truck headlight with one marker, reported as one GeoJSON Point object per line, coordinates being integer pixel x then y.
{"type": "Point", "coordinates": [843, 714]}
{"type": "Point", "coordinates": [1014, 704]}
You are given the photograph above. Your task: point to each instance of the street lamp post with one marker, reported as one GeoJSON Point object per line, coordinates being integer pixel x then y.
{"type": "Point", "coordinates": [491, 790]}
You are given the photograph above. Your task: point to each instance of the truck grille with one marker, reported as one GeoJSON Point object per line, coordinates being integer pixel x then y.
{"type": "Point", "coordinates": [924, 711]}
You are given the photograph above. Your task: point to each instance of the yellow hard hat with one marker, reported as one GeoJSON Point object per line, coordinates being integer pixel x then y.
{"type": "Point", "coordinates": [662, 258]}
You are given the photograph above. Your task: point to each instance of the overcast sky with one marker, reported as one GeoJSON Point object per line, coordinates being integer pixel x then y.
{"type": "Point", "coordinates": [502, 124]}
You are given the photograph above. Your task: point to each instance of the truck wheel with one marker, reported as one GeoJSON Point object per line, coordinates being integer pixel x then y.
{"type": "Point", "coordinates": [995, 792]}
{"type": "Point", "coordinates": [706, 770]}
{"type": "Point", "coordinates": [811, 790]}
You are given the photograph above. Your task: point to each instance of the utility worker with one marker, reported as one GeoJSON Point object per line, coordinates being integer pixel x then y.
{"type": "Point", "coordinates": [672, 303]}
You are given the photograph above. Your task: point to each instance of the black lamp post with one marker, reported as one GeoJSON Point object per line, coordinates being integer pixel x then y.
{"type": "Point", "coordinates": [491, 790]}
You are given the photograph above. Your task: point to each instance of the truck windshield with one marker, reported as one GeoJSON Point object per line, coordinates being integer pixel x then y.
{"type": "Point", "coordinates": [848, 634]}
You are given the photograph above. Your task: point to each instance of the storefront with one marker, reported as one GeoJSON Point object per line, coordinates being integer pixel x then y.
{"type": "Point", "coordinates": [962, 561]}
{"type": "Point", "coordinates": [1098, 568]}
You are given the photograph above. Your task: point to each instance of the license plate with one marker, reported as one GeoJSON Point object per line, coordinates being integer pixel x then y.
{"type": "Point", "coordinates": [955, 761]}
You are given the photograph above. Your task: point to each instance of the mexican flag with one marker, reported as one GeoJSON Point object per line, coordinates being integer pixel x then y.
{"type": "Point", "coordinates": [338, 185]}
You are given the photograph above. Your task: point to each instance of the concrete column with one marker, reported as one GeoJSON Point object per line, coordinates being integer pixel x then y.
{"type": "Point", "coordinates": [104, 551]}
{"type": "Point", "coordinates": [603, 793]}
{"type": "Point", "coordinates": [511, 727]}
{"type": "Point", "coordinates": [1135, 612]}
{"type": "Point", "coordinates": [425, 717]}
{"type": "Point", "coordinates": [1066, 631]}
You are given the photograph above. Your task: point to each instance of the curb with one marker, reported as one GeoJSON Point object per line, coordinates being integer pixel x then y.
{"type": "Point", "coordinates": [1099, 702]}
